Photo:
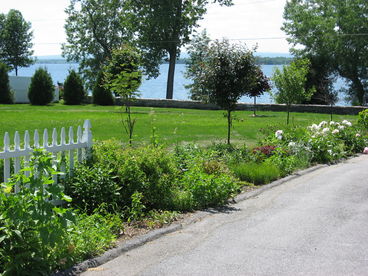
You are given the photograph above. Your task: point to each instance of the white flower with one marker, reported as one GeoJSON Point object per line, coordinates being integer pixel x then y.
{"type": "Point", "coordinates": [341, 127]}
{"type": "Point", "coordinates": [335, 131]}
{"type": "Point", "coordinates": [292, 144]}
{"type": "Point", "coordinates": [322, 124]}
{"type": "Point", "coordinates": [332, 123]}
{"type": "Point", "coordinates": [347, 123]}
{"type": "Point", "coordinates": [314, 127]}
{"type": "Point", "coordinates": [329, 152]}
{"type": "Point", "coordinates": [325, 130]}
{"type": "Point", "coordinates": [357, 135]}
{"type": "Point", "coordinates": [278, 134]}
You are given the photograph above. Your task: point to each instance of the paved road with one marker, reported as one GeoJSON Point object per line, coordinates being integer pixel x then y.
{"type": "Point", "coordinates": [313, 225]}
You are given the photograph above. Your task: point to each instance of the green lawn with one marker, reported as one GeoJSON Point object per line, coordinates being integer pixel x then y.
{"type": "Point", "coordinates": [172, 125]}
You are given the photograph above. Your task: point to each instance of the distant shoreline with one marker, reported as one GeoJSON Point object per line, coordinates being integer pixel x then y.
{"type": "Point", "coordinates": [260, 60]}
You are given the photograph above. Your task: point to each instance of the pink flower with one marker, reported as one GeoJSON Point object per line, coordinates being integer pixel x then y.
{"type": "Point", "coordinates": [365, 151]}
{"type": "Point", "coordinates": [357, 135]}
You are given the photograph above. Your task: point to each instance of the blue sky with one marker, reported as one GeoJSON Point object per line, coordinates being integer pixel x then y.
{"type": "Point", "coordinates": [254, 22]}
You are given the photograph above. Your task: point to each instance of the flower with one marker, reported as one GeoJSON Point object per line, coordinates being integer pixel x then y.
{"type": "Point", "coordinates": [365, 151]}
{"type": "Point", "coordinates": [314, 127]}
{"type": "Point", "coordinates": [292, 144]}
{"type": "Point", "coordinates": [347, 123]}
{"type": "Point", "coordinates": [341, 127]}
{"type": "Point", "coordinates": [325, 130]}
{"type": "Point", "coordinates": [335, 131]}
{"type": "Point", "coordinates": [332, 123]}
{"type": "Point", "coordinates": [329, 152]}
{"type": "Point", "coordinates": [357, 135]}
{"type": "Point", "coordinates": [278, 134]}
{"type": "Point", "coordinates": [323, 123]}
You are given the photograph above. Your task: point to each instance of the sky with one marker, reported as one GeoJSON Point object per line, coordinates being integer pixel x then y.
{"type": "Point", "coordinates": [254, 22]}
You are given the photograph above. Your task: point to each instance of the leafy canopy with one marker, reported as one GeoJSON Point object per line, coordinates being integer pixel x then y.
{"type": "Point", "coordinates": [336, 31]}
{"type": "Point", "coordinates": [93, 29]}
{"type": "Point", "coordinates": [15, 40]}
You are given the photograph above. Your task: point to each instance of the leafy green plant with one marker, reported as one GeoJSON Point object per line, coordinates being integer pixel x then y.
{"type": "Point", "coordinates": [91, 186]}
{"type": "Point", "coordinates": [31, 226]}
{"type": "Point", "coordinates": [41, 89]}
{"type": "Point", "coordinates": [256, 173]}
{"type": "Point", "coordinates": [363, 118]}
{"type": "Point", "coordinates": [136, 211]}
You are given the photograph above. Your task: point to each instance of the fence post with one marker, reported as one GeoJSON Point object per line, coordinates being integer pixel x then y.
{"type": "Point", "coordinates": [6, 160]}
{"type": "Point", "coordinates": [87, 137]}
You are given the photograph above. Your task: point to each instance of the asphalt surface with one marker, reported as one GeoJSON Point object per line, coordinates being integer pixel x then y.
{"type": "Point", "coordinates": [316, 224]}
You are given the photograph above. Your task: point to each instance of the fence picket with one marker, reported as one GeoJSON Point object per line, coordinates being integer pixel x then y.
{"type": "Point", "coordinates": [27, 147]}
{"type": "Point", "coordinates": [16, 159]}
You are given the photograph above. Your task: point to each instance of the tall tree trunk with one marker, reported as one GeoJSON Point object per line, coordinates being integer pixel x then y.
{"type": "Point", "coordinates": [288, 113]}
{"type": "Point", "coordinates": [171, 74]}
{"type": "Point", "coordinates": [255, 104]}
{"type": "Point", "coordinates": [229, 122]}
{"type": "Point", "coordinates": [16, 70]}
{"type": "Point", "coordinates": [359, 90]}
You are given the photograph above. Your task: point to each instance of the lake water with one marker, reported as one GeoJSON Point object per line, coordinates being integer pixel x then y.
{"type": "Point", "coordinates": [156, 88]}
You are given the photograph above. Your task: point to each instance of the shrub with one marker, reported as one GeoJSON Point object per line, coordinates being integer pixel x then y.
{"type": "Point", "coordinates": [256, 173]}
{"type": "Point", "coordinates": [6, 96]}
{"type": "Point", "coordinates": [101, 95]}
{"type": "Point", "coordinates": [202, 190]}
{"type": "Point", "coordinates": [363, 118]}
{"type": "Point", "coordinates": [92, 186]}
{"type": "Point", "coordinates": [149, 170]}
{"type": "Point", "coordinates": [73, 89]}
{"type": "Point", "coordinates": [41, 89]}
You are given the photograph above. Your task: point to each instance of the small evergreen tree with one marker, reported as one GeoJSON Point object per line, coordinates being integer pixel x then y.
{"type": "Point", "coordinates": [6, 96]}
{"type": "Point", "coordinates": [41, 90]}
{"type": "Point", "coordinates": [100, 94]}
{"type": "Point", "coordinates": [73, 89]}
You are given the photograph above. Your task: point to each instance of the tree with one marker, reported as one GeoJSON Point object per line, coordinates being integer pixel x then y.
{"type": "Point", "coordinates": [74, 92]}
{"type": "Point", "coordinates": [227, 73]}
{"type": "Point", "coordinates": [335, 30]}
{"type": "Point", "coordinates": [290, 83]}
{"type": "Point", "coordinates": [100, 94]}
{"type": "Point", "coordinates": [123, 76]}
{"type": "Point", "coordinates": [41, 89]}
{"type": "Point", "coordinates": [16, 36]}
{"type": "Point", "coordinates": [163, 28]}
{"type": "Point", "coordinates": [198, 51]}
{"type": "Point", "coordinates": [260, 86]}
{"type": "Point", "coordinates": [94, 28]}
{"type": "Point", "coordinates": [6, 96]}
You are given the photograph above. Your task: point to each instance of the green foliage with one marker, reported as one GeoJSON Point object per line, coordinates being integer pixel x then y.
{"type": "Point", "coordinates": [123, 76]}
{"type": "Point", "coordinates": [92, 186]}
{"type": "Point", "coordinates": [323, 30]}
{"type": "Point", "coordinates": [148, 170]}
{"type": "Point", "coordinates": [90, 236]}
{"type": "Point", "coordinates": [93, 30]}
{"type": "Point", "coordinates": [290, 83]}
{"type": "Point", "coordinates": [201, 190]}
{"type": "Point", "coordinates": [31, 227]}
{"type": "Point", "coordinates": [136, 211]}
{"type": "Point", "coordinates": [363, 118]}
{"type": "Point", "coordinates": [222, 73]}
{"type": "Point", "coordinates": [74, 92]}
{"type": "Point", "coordinates": [256, 173]}
{"type": "Point", "coordinates": [164, 27]}
{"type": "Point", "coordinates": [16, 40]}
{"type": "Point", "coordinates": [100, 94]}
{"type": "Point", "coordinates": [6, 95]}
{"type": "Point", "coordinates": [41, 89]}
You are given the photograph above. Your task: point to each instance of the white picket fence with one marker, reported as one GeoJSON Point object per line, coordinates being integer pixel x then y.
{"type": "Point", "coordinates": [59, 149]}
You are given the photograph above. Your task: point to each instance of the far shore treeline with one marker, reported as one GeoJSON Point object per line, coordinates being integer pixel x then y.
{"type": "Point", "coordinates": [259, 60]}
